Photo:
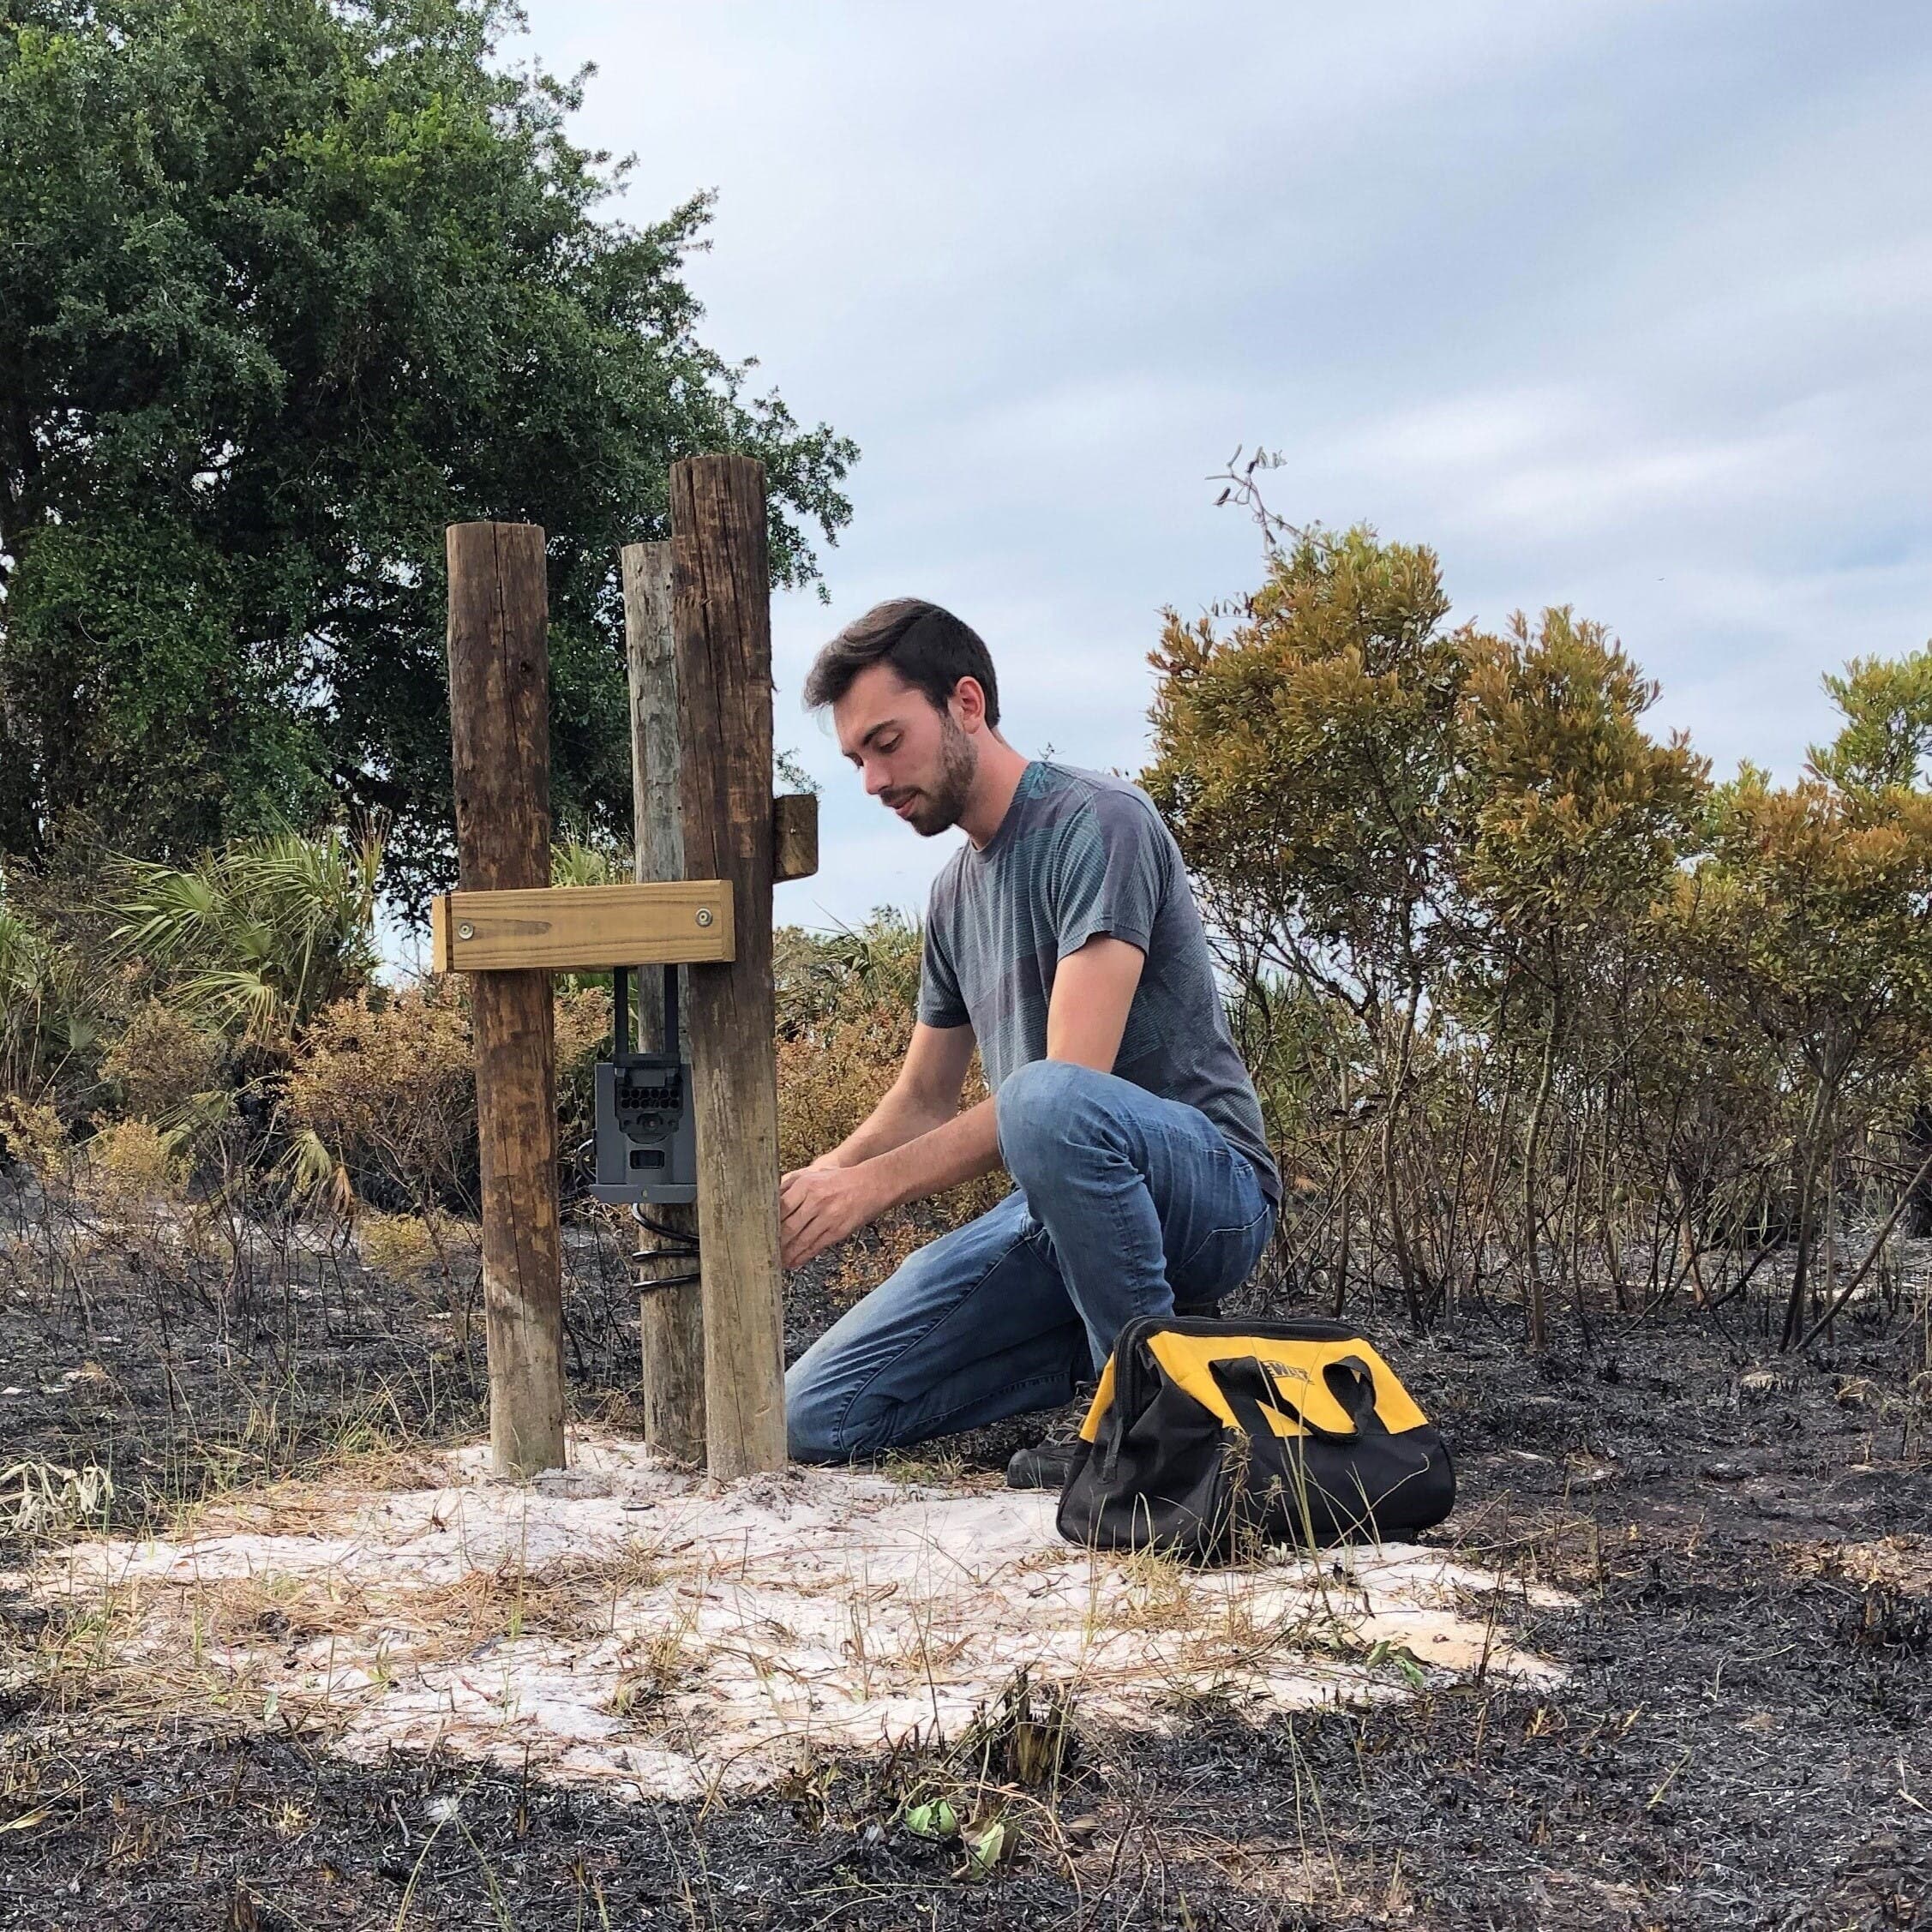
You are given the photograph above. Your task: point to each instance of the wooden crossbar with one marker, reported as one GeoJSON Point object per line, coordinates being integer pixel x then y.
{"type": "Point", "coordinates": [575, 928]}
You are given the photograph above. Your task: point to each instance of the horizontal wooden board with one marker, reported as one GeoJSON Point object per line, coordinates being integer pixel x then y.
{"type": "Point", "coordinates": [573, 928]}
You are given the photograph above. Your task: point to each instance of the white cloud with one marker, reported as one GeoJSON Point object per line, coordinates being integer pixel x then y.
{"type": "Point", "coordinates": [1614, 304]}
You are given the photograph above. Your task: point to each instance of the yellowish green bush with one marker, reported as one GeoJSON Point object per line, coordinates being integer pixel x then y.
{"type": "Point", "coordinates": [400, 1246]}
{"type": "Point", "coordinates": [31, 1133]}
{"type": "Point", "coordinates": [415, 1249]}
{"type": "Point", "coordinates": [132, 1162]}
{"type": "Point", "coordinates": [384, 1080]}
{"type": "Point", "coordinates": [161, 1062]}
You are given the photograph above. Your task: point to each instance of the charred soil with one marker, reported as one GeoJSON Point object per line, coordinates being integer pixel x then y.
{"type": "Point", "coordinates": [1741, 1737]}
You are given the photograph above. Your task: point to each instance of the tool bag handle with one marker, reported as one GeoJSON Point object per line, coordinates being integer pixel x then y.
{"type": "Point", "coordinates": [1250, 1391]}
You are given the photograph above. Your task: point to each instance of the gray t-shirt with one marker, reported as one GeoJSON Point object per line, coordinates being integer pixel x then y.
{"type": "Point", "coordinates": [1079, 854]}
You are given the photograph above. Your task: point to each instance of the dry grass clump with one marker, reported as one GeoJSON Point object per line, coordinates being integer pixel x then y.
{"type": "Point", "coordinates": [1903, 1562]}
{"type": "Point", "coordinates": [161, 1062]}
{"type": "Point", "coordinates": [384, 1080]}
{"type": "Point", "coordinates": [576, 1598]}
{"type": "Point", "coordinates": [40, 1499]}
{"type": "Point", "coordinates": [370, 1451]}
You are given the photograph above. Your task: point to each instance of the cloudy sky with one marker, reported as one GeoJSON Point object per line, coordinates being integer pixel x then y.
{"type": "Point", "coordinates": [1614, 302]}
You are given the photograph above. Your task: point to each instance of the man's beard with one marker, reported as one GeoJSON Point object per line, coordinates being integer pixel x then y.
{"type": "Point", "coordinates": [940, 809]}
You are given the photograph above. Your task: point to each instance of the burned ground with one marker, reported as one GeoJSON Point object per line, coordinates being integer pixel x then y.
{"type": "Point", "coordinates": [1741, 1739]}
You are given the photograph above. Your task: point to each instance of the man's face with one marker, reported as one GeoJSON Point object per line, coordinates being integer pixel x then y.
{"type": "Point", "coordinates": [915, 758]}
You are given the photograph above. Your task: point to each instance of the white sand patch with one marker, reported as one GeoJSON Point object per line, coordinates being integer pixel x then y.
{"type": "Point", "coordinates": [629, 1622]}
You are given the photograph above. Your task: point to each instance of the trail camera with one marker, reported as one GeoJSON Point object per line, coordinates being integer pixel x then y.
{"type": "Point", "coordinates": [646, 1140]}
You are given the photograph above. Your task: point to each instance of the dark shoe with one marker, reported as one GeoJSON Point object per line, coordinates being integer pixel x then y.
{"type": "Point", "coordinates": [1045, 1465]}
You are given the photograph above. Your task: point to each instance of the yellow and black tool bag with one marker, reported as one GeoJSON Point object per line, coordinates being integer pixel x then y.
{"type": "Point", "coordinates": [1213, 1439]}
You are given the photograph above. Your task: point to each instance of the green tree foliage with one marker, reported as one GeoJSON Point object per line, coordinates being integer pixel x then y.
{"type": "Point", "coordinates": [1573, 820]}
{"type": "Point", "coordinates": [1887, 732]}
{"type": "Point", "coordinates": [1526, 998]}
{"type": "Point", "coordinates": [1304, 758]}
{"type": "Point", "coordinates": [286, 286]}
{"type": "Point", "coordinates": [1306, 761]}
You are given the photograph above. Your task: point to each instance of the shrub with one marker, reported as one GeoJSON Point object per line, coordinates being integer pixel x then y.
{"type": "Point", "coordinates": [30, 1134]}
{"type": "Point", "coordinates": [55, 1001]}
{"type": "Point", "coordinates": [400, 1247]}
{"type": "Point", "coordinates": [415, 1249]}
{"type": "Point", "coordinates": [583, 1035]}
{"type": "Point", "coordinates": [385, 1082]}
{"type": "Point", "coordinates": [133, 1161]}
{"type": "Point", "coordinates": [845, 1018]}
{"type": "Point", "coordinates": [262, 934]}
{"type": "Point", "coordinates": [161, 1062]}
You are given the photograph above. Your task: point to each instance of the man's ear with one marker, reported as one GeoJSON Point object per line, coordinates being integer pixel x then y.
{"type": "Point", "coordinates": [968, 705]}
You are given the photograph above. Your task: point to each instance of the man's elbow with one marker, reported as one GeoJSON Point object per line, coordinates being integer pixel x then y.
{"type": "Point", "coordinates": [926, 1102]}
{"type": "Point", "coordinates": [1098, 1059]}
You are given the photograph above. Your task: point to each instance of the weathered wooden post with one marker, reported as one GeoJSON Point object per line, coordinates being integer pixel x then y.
{"type": "Point", "coordinates": [671, 1318]}
{"type": "Point", "coordinates": [698, 622]}
{"type": "Point", "coordinates": [722, 616]}
{"type": "Point", "coordinates": [499, 744]}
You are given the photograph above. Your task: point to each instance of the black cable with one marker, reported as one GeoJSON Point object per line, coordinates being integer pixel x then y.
{"type": "Point", "coordinates": [681, 1247]}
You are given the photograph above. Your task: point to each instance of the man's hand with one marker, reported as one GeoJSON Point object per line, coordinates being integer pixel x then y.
{"type": "Point", "coordinates": [819, 1205]}
{"type": "Point", "coordinates": [914, 1145]}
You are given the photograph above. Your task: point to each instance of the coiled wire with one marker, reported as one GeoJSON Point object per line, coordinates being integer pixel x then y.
{"type": "Point", "coordinates": [679, 1246]}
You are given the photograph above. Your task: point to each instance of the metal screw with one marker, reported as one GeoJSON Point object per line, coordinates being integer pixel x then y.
{"type": "Point", "coordinates": [466, 931]}
{"type": "Point", "coordinates": [704, 915]}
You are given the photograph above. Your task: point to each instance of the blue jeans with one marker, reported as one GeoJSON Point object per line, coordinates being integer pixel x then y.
{"type": "Point", "coordinates": [1123, 1204]}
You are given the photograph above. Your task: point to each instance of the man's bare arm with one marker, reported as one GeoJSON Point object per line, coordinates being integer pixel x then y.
{"type": "Point", "coordinates": [1086, 1017]}
{"type": "Point", "coordinates": [925, 1095]}
{"type": "Point", "coordinates": [1092, 991]}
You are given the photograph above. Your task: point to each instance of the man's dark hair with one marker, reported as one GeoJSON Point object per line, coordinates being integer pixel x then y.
{"type": "Point", "coordinates": [929, 647]}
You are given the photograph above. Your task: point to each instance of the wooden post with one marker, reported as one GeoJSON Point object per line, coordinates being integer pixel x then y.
{"type": "Point", "coordinates": [499, 744]}
{"type": "Point", "coordinates": [795, 836]}
{"type": "Point", "coordinates": [722, 616]}
{"type": "Point", "coordinates": [671, 1320]}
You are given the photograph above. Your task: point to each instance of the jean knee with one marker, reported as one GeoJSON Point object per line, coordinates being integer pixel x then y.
{"type": "Point", "coordinates": [811, 1421]}
{"type": "Point", "coordinates": [825, 1422]}
{"type": "Point", "coordinates": [1037, 1107]}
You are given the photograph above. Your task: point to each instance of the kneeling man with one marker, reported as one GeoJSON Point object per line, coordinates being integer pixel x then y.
{"type": "Point", "coordinates": [1063, 938]}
